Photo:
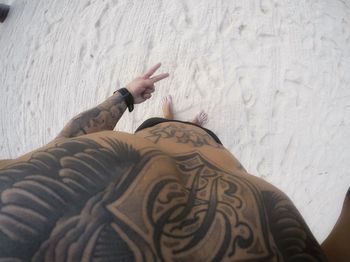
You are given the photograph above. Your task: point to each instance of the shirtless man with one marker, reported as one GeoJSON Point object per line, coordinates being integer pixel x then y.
{"type": "Point", "coordinates": [169, 192]}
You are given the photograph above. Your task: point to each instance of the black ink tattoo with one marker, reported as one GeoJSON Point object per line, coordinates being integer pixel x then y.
{"type": "Point", "coordinates": [189, 212]}
{"type": "Point", "coordinates": [292, 236]}
{"type": "Point", "coordinates": [103, 117]}
{"type": "Point", "coordinates": [81, 201]}
{"type": "Point", "coordinates": [182, 134]}
{"type": "Point", "coordinates": [53, 206]}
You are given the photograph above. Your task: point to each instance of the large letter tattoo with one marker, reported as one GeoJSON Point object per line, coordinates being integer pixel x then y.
{"type": "Point", "coordinates": [206, 214]}
{"type": "Point", "coordinates": [81, 201]}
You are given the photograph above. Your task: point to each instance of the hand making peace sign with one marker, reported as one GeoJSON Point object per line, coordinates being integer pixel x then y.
{"type": "Point", "coordinates": [142, 87]}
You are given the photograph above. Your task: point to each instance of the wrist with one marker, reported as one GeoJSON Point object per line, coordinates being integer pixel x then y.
{"type": "Point", "coordinates": [118, 98]}
{"type": "Point", "coordinates": [127, 97]}
{"type": "Point", "coordinates": [129, 89]}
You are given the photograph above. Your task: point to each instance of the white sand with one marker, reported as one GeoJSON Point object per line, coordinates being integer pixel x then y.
{"type": "Point", "coordinates": [274, 77]}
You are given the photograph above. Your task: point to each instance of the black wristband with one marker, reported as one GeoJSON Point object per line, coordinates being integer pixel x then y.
{"type": "Point", "coordinates": [128, 98]}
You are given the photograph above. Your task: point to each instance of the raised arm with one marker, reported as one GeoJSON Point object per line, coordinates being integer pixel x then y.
{"type": "Point", "coordinates": [106, 115]}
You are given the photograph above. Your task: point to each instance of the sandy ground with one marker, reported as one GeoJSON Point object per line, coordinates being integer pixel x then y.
{"type": "Point", "coordinates": [274, 77]}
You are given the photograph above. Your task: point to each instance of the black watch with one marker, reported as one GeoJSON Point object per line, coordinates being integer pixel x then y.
{"type": "Point", "coordinates": [128, 98]}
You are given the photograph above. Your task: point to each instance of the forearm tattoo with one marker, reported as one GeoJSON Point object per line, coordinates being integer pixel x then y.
{"type": "Point", "coordinates": [103, 117]}
{"type": "Point", "coordinates": [80, 201]}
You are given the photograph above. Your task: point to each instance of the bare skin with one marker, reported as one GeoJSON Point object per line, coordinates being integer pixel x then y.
{"type": "Point", "coordinates": [167, 107]}
{"type": "Point", "coordinates": [107, 114]}
{"type": "Point", "coordinates": [168, 192]}
{"type": "Point", "coordinates": [336, 245]}
{"type": "Point", "coordinates": [200, 119]}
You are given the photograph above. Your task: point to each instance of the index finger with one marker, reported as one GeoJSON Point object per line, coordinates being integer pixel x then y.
{"type": "Point", "coordinates": [151, 71]}
{"type": "Point", "coordinates": [159, 77]}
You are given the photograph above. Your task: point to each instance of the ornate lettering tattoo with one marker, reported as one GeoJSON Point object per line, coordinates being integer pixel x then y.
{"type": "Point", "coordinates": [182, 134]}
{"type": "Point", "coordinates": [205, 214]}
{"type": "Point", "coordinates": [81, 201]}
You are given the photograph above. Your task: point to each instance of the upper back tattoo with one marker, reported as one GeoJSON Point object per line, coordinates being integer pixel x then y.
{"type": "Point", "coordinates": [180, 134]}
{"type": "Point", "coordinates": [81, 201]}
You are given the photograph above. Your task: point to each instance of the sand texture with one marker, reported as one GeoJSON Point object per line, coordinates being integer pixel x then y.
{"type": "Point", "coordinates": [274, 77]}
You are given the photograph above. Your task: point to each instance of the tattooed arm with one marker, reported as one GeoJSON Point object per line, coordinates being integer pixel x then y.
{"type": "Point", "coordinates": [103, 117]}
{"type": "Point", "coordinates": [106, 115]}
